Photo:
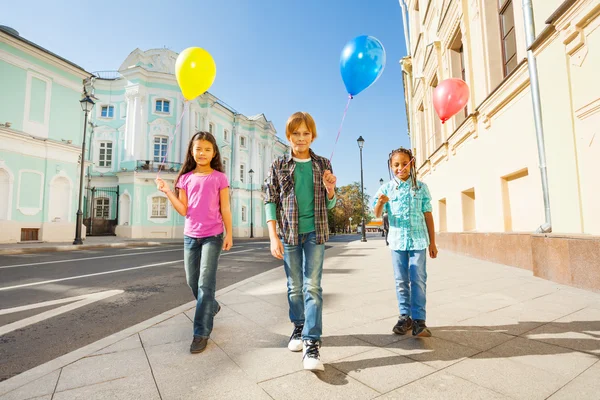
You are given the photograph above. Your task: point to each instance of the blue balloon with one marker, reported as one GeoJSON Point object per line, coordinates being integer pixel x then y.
{"type": "Point", "coordinates": [362, 63]}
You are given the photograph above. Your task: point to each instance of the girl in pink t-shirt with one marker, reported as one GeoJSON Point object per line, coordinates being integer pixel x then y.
{"type": "Point", "coordinates": [202, 196]}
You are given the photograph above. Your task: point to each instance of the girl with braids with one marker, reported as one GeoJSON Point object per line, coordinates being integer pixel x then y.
{"type": "Point", "coordinates": [202, 196]}
{"type": "Point", "coordinates": [408, 204]}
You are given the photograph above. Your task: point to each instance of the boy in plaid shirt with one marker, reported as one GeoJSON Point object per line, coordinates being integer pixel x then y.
{"type": "Point", "coordinates": [300, 189]}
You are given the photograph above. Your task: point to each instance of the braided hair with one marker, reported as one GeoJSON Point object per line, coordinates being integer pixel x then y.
{"type": "Point", "coordinates": [412, 172]}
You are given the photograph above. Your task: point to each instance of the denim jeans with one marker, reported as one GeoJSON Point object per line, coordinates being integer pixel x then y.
{"type": "Point", "coordinates": [304, 268]}
{"type": "Point", "coordinates": [201, 257]}
{"type": "Point", "coordinates": [411, 281]}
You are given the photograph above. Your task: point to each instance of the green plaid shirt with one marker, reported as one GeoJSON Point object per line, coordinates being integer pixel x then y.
{"type": "Point", "coordinates": [406, 208]}
{"type": "Point", "coordinates": [280, 190]}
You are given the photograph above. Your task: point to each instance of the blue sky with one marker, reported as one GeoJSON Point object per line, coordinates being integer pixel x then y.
{"type": "Point", "coordinates": [273, 57]}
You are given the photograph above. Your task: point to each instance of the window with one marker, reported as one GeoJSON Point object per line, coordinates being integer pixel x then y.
{"type": "Point", "coordinates": [457, 63]}
{"type": "Point", "coordinates": [468, 209]}
{"type": "Point", "coordinates": [244, 214]}
{"type": "Point", "coordinates": [443, 219]}
{"type": "Point", "coordinates": [422, 153]}
{"type": "Point", "coordinates": [101, 207]}
{"type": "Point", "coordinates": [160, 148]}
{"type": "Point", "coordinates": [242, 170]}
{"type": "Point", "coordinates": [105, 156]}
{"type": "Point", "coordinates": [226, 135]}
{"type": "Point", "coordinates": [163, 106]}
{"type": "Point", "coordinates": [211, 128]}
{"type": "Point", "coordinates": [159, 207]}
{"type": "Point", "coordinates": [107, 112]}
{"type": "Point", "coordinates": [225, 164]}
{"type": "Point", "coordinates": [242, 141]}
{"type": "Point", "coordinates": [507, 35]}
{"type": "Point", "coordinates": [437, 125]}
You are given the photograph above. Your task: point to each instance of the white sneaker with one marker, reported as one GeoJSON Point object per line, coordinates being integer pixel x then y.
{"type": "Point", "coordinates": [310, 356]}
{"type": "Point", "coordinates": [295, 343]}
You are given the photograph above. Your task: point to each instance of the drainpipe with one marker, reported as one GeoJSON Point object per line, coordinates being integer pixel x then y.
{"type": "Point", "coordinates": [537, 112]}
{"type": "Point", "coordinates": [405, 25]}
{"type": "Point", "coordinates": [406, 64]}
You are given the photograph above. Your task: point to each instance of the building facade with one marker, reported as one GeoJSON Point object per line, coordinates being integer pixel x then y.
{"type": "Point", "coordinates": [40, 141]}
{"type": "Point", "coordinates": [134, 139]}
{"type": "Point", "coordinates": [139, 129]}
{"type": "Point", "coordinates": [483, 165]}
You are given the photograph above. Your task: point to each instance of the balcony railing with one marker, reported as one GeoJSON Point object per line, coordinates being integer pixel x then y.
{"type": "Point", "coordinates": [150, 166]}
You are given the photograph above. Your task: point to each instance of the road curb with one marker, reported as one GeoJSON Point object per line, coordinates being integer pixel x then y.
{"type": "Point", "coordinates": [49, 249]}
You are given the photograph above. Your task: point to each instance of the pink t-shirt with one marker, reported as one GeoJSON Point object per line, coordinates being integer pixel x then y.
{"type": "Point", "coordinates": [203, 217]}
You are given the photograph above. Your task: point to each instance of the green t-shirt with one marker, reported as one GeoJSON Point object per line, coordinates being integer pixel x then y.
{"type": "Point", "coordinates": [304, 190]}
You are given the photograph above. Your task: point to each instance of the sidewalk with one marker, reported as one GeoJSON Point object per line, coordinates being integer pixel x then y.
{"type": "Point", "coordinates": [498, 331]}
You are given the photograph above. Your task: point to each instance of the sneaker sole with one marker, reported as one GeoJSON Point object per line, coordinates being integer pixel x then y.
{"type": "Point", "coordinates": [316, 369]}
{"type": "Point", "coordinates": [295, 349]}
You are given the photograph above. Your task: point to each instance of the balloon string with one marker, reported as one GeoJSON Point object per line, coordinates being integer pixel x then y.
{"type": "Point", "coordinates": [164, 158]}
{"type": "Point", "coordinates": [342, 124]}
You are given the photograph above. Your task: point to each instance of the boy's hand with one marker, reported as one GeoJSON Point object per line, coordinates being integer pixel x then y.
{"type": "Point", "coordinates": [329, 181]}
{"type": "Point", "coordinates": [277, 248]}
{"type": "Point", "coordinates": [433, 251]}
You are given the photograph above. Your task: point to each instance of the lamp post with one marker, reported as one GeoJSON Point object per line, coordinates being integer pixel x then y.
{"type": "Point", "coordinates": [381, 182]}
{"type": "Point", "coordinates": [350, 224]}
{"type": "Point", "coordinates": [86, 105]}
{"type": "Point", "coordinates": [361, 143]}
{"type": "Point", "coordinates": [251, 172]}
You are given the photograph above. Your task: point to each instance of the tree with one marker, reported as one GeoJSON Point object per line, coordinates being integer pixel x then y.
{"type": "Point", "coordinates": [348, 206]}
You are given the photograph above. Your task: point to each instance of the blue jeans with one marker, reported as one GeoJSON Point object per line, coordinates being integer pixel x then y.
{"type": "Point", "coordinates": [201, 257]}
{"type": "Point", "coordinates": [411, 281]}
{"type": "Point", "coordinates": [304, 268]}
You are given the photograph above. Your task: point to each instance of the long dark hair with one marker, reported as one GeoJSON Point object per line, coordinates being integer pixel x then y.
{"type": "Point", "coordinates": [190, 164]}
{"type": "Point", "coordinates": [411, 164]}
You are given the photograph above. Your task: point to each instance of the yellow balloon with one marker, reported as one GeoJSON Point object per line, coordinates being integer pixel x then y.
{"type": "Point", "coordinates": [195, 71]}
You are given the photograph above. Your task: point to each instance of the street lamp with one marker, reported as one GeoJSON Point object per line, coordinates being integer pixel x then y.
{"type": "Point", "coordinates": [381, 182]}
{"type": "Point", "coordinates": [361, 143]}
{"type": "Point", "coordinates": [86, 105]}
{"type": "Point", "coordinates": [251, 172]}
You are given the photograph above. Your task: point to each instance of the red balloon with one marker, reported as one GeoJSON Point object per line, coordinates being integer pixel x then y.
{"type": "Point", "coordinates": [449, 97]}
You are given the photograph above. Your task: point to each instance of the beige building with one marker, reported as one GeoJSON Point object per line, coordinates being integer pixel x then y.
{"type": "Point", "coordinates": [483, 165]}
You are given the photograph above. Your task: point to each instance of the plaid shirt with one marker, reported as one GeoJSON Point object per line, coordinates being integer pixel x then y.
{"type": "Point", "coordinates": [280, 190]}
{"type": "Point", "coordinates": [406, 208]}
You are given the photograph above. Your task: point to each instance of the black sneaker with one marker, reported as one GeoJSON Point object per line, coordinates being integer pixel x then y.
{"type": "Point", "coordinates": [295, 343]}
{"type": "Point", "coordinates": [218, 309]}
{"type": "Point", "coordinates": [404, 324]}
{"type": "Point", "coordinates": [420, 329]}
{"type": "Point", "coordinates": [198, 345]}
{"type": "Point", "coordinates": [311, 357]}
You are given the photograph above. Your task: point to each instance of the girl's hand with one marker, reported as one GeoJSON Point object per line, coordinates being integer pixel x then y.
{"type": "Point", "coordinates": [382, 199]}
{"type": "Point", "coordinates": [162, 185]}
{"type": "Point", "coordinates": [329, 180]}
{"type": "Point", "coordinates": [277, 248]}
{"type": "Point", "coordinates": [227, 242]}
{"type": "Point", "coordinates": [433, 251]}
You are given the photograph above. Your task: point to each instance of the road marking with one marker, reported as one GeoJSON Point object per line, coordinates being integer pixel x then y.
{"type": "Point", "coordinates": [88, 258]}
{"type": "Point", "coordinates": [107, 272]}
{"type": "Point", "coordinates": [95, 258]}
{"type": "Point", "coordinates": [78, 301]}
